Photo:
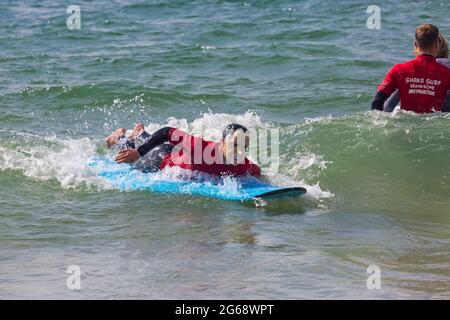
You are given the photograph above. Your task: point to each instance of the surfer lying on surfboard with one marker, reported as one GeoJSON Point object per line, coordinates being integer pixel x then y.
{"type": "Point", "coordinates": [170, 147]}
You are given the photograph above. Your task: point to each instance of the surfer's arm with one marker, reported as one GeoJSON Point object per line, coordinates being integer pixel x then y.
{"type": "Point", "coordinates": [378, 101]}
{"type": "Point", "coordinates": [131, 155]}
{"type": "Point", "coordinates": [385, 89]}
{"type": "Point", "coordinates": [187, 142]}
{"type": "Point", "coordinates": [166, 134]}
{"type": "Point", "coordinates": [392, 102]}
{"type": "Point", "coordinates": [446, 105]}
{"type": "Point", "coordinates": [159, 137]}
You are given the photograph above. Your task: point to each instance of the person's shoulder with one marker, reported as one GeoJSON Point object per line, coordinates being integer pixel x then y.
{"type": "Point", "coordinates": [209, 143]}
{"type": "Point", "coordinates": [175, 132]}
{"type": "Point", "coordinates": [401, 65]}
{"type": "Point", "coordinates": [443, 68]}
{"type": "Point", "coordinates": [444, 62]}
{"type": "Point", "coordinates": [406, 63]}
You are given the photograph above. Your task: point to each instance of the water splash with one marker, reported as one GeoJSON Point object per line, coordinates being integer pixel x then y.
{"type": "Point", "coordinates": [65, 159]}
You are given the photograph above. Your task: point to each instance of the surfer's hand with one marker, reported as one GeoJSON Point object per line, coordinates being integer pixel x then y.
{"type": "Point", "coordinates": [127, 156]}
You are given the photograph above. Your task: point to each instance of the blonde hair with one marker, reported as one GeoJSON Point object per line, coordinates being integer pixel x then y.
{"type": "Point", "coordinates": [443, 48]}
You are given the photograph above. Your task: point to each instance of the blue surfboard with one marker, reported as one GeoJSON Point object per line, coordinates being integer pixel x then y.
{"type": "Point", "coordinates": [124, 177]}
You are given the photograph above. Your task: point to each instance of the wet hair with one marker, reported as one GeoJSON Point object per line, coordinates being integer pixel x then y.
{"type": "Point", "coordinates": [443, 48]}
{"type": "Point", "coordinates": [426, 36]}
{"type": "Point", "coordinates": [231, 129]}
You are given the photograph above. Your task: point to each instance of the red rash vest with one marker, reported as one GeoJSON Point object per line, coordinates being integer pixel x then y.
{"type": "Point", "coordinates": [422, 84]}
{"type": "Point", "coordinates": [194, 153]}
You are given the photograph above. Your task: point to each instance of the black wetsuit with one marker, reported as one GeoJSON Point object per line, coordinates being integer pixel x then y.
{"type": "Point", "coordinates": [153, 148]}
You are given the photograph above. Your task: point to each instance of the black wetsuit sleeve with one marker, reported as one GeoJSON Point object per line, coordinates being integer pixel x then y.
{"type": "Point", "coordinates": [378, 101]}
{"type": "Point", "coordinates": [157, 138]}
{"type": "Point", "coordinates": [392, 102]}
{"type": "Point", "coordinates": [446, 105]}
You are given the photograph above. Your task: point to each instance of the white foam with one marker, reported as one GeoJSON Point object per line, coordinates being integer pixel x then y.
{"type": "Point", "coordinates": [314, 192]}
{"type": "Point", "coordinates": [63, 160]}
{"type": "Point", "coordinates": [210, 125]}
{"type": "Point", "coordinates": [66, 160]}
{"type": "Point", "coordinates": [308, 160]}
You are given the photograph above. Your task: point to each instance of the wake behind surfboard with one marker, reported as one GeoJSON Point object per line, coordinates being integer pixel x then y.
{"type": "Point", "coordinates": [124, 177]}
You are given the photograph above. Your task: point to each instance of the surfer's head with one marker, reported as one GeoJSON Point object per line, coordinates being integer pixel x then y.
{"type": "Point", "coordinates": [427, 40]}
{"type": "Point", "coordinates": [443, 47]}
{"type": "Point", "coordinates": [235, 141]}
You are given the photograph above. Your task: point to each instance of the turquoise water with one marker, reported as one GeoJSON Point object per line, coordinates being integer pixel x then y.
{"type": "Point", "coordinates": [378, 184]}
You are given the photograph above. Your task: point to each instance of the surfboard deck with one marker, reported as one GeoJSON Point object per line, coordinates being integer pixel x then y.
{"type": "Point", "coordinates": [124, 177]}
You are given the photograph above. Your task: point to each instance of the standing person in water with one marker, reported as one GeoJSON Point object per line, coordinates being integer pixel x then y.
{"type": "Point", "coordinates": [442, 58]}
{"type": "Point", "coordinates": [422, 82]}
{"type": "Point", "coordinates": [171, 147]}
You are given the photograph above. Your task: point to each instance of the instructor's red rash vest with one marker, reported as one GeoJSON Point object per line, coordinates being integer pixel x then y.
{"type": "Point", "coordinates": [194, 153]}
{"type": "Point", "coordinates": [422, 84]}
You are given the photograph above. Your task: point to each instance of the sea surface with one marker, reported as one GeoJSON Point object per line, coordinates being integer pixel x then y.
{"type": "Point", "coordinates": [378, 184]}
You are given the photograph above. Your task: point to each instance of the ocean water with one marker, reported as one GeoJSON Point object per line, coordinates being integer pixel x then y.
{"type": "Point", "coordinates": [379, 184]}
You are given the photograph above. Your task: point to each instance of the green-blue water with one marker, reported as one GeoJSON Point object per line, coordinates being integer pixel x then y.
{"type": "Point", "coordinates": [379, 184]}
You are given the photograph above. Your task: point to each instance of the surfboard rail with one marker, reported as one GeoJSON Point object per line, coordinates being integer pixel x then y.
{"type": "Point", "coordinates": [124, 177]}
{"type": "Point", "coordinates": [283, 191]}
